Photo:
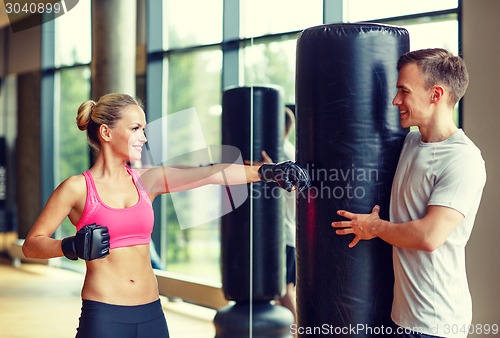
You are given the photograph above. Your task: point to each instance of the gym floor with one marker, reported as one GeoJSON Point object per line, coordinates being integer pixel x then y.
{"type": "Point", "coordinates": [42, 301]}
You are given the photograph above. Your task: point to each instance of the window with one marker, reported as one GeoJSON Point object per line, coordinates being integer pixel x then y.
{"type": "Point", "coordinates": [73, 36]}
{"type": "Point", "coordinates": [192, 22]}
{"type": "Point", "coordinates": [261, 17]}
{"type": "Point", "coordinates": [366, 10]}
{"type": "Point", "coordinates": [422, 35]}
{"type": "Point", "coordinates": [192, 238]}
{"type": "Point", "coordinates": [72, 151]}
{"type": "Point", "coordinates": [272, 62]}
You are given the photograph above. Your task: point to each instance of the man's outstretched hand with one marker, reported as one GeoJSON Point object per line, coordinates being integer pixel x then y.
{"type": "Point", "coordinates": [363, 226]}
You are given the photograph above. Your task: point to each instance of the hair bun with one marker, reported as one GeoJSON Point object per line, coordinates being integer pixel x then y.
{"type": "Point", "coordinates": [84, 114]}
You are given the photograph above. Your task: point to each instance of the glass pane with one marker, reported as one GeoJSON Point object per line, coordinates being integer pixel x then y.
{"type": "Point", "coordinates": [261, 17]}
{"type": "Point", "coordinates": [73, 44]}
{"type": "Point", "coordinates": [72, 151]}
{"type": "Point", "coordinates": [358, 10]}
{"type": "Point", "coordinates": [194, 89]}
{"type": "Point", "coordinates": [192, 22]}
{"type": "Point", "coordinates": [423, 35]}
{"type": "Point", "coordinates": [272, 63]}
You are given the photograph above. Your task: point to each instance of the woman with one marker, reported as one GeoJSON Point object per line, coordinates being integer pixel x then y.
{"type": "Point", "coordinates": [110, 205]}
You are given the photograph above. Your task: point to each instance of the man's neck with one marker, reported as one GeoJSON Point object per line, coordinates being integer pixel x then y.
{"type": "Point", "coordinates": [440, 128]}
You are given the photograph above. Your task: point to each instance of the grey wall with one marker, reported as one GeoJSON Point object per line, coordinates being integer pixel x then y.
{"type": "Point", "coordinates": [481, 50]}
{"type": "Point", "coordinates": [20, 53]}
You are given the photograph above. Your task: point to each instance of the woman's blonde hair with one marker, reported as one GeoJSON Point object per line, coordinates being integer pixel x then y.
{"type": "Point", "coordinates": [107, 110]}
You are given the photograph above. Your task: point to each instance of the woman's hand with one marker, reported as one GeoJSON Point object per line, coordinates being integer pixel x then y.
{"type": "Point", "coordinates": [289, 175]}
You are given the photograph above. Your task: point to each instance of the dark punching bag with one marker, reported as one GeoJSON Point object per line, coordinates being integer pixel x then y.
{"type": "Point", "coordinates": [252, 235]}
{"type": "Point", "coordinates": [349, 137]}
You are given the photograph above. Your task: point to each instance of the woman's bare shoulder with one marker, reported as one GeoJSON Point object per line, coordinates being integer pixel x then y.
{"type": "Point", "coordinates": [73, 185]}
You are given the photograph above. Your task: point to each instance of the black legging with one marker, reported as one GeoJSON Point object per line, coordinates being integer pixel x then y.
{"type": "Point", "coordinates": [101, 320]}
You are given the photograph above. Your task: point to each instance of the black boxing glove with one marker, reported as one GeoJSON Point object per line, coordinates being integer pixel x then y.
{"type": "Point", "coordinates": [289, 175]}
{"type": "Point", "coordinates": [90, 242]}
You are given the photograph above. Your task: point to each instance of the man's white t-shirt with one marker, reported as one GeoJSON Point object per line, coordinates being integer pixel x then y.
{"type": "Point", "coordinates": [431, 293]}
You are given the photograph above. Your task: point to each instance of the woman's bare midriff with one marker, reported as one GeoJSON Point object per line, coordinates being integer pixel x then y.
{"type": "Point", "coordinates": [124, 277]}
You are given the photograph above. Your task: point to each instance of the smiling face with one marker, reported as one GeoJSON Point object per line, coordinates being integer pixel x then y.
{"type": "Point", "coordinates": [128, 133]}
{"type": "Point", "coordinates": [413, 99]}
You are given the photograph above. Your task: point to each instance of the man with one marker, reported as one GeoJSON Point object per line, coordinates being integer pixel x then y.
{"type": "Point", "coordinates": [435, 197]}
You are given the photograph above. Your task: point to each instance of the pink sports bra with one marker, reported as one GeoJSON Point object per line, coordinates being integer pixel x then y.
{"type": "Point", "coordinates": [127, 226]}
